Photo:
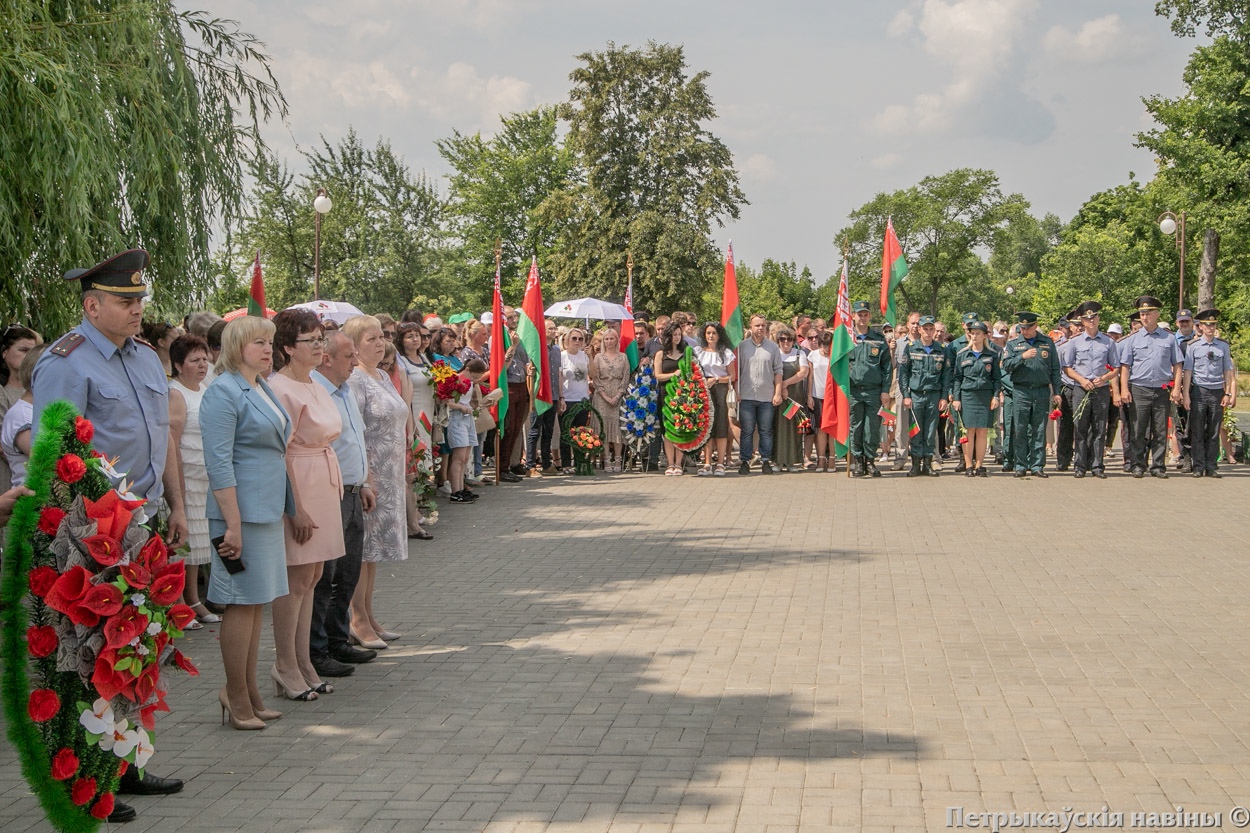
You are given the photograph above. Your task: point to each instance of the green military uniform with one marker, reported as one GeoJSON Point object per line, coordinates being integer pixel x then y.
{"type": "Point", "coordinates": [1009, 420]}
{"type": "Point", "coordinates": [1033, 382]}
{"type": "Point", "coordinates": [924, 377]}
{"type": "Point", "coordinates": [870, 373]}
{"type": "Point", "coordinates": [952, 353]}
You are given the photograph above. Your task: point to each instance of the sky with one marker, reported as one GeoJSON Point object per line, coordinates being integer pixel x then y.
{"type": "Point", "coordinates": [823, 105]}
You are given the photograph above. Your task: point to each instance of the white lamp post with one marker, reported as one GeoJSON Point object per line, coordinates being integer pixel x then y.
{"type": "Point", "coordinates": [321, 205]}
{"type": "Point", "coordinates": [1170, 223]}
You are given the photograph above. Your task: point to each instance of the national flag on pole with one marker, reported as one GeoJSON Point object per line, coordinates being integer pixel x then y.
{"type": "Point", "coordinates": [893, 270]}
{"type": "Point", "coordinates": [532, 330]}
{"type": "Point", "coordinates": [256, 297]}
{"type": "Point", "coordinates": [887, 415]}
{"type": "Point", "coordinates": [836, 419]}
{"type": "Point", "coordinates": [790, 410]}
{"type": "Point", "coordinates": [730, 307]}
{"type": "Point", "coordinates": [499, 344]}
{"type": "Point", "coordinates": [628, 333]}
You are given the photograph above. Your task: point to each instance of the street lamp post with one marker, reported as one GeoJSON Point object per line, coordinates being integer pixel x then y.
{"type": "Point", "coordinates": [1170, 223]}
{"type": "Point", "coordinates": [321, 205]}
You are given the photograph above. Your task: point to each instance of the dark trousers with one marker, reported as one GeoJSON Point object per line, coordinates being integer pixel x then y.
{"type": "Point", "coordinates": [513, 423]}
{"type": "Point", "coordinates": [1126, 434]}
{"type": "Point", "coordinates": [1151, 407]}
{"type": "Point", "coordinates": [1090, 427]}
{"type": "Point", "coordinates": [1030, 408]}
{"type": "Point", "coordinates": [924, 407]}
{"type": "Point", "coordinates": [1205, 415]}
{"type": "Point", "coordinates": [538, 440]}
{"type": "Point", "coordinates": [1181, 428]}
{"type": "Point", "coordinates": [1065, 436]}
{"type": "Point", "coordinates": [865, 423]}
{"type": "Point", "coordinates": [1009, 430]}
{"type": "Point", "coordinates": [332, 597]}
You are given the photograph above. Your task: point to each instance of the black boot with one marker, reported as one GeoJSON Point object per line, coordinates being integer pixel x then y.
{"type": "Point", "coordinates": [961, 466]}
{"type": "Point", "coordinates": [853, 462]}
{"type": "Point", "coordinates": [873, 471]}
{"type": "Point", "coordinates": [928, 468]}
{"type": "Point", "coordinates": [915, 467]}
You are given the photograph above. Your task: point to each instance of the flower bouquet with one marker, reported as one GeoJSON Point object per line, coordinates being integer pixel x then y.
{"type": "Point", "coordinates": [92, 610]}
{"type": "Point", "coordinates": [638, 411]}
{"type": "Point", "coordinates": [420, 468]}
{"type": "Point", "coordinates": [448, 385]}
{"type": "Point", "coordinates": [687, 406]}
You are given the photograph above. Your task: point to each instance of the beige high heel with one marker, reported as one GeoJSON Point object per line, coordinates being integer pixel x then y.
{"type": "Point", "coordinates": [246, 725]}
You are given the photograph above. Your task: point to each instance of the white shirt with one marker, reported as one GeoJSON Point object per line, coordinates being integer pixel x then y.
{"type": "Point", "coordinates": [574, 376]}
{"type": "Point", "coordinates": [819, 363]}
{"type": "Point", "coordinates": [715, 363]}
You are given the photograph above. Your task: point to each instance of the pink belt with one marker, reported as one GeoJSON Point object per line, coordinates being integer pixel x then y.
{"type": "Point", "coordinates": [326, 453]}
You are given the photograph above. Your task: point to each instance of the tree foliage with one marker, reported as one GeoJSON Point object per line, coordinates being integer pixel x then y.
{"type": "Point", "coordinates": [1219, 17]}
{"type": "Point", "coordinates": [650, 179]}
{"type": "Point", "coordinates": [779, 290]}
{"type": "Point", "coordinates": [118, 132]}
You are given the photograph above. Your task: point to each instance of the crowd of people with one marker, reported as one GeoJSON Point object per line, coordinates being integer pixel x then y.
{"type": "Point", "coordinates": [292, 456]}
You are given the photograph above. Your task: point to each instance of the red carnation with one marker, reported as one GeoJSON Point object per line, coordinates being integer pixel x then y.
{"type": "Point", "coordinates": [50, 520]}
{"type": "Point", "coordinates": [41, 580]}
{"type": "Point", "coordinates": [104, 807]}
{"type": "Point", "coordinates": [83, 430]}
{"type": "Point", "coordinates": [167, 586]}
{"type": "Point", "coordinates": [82, 791]}
{"type": "Point", "coordinates": [64, 764]}
{"type": "Point", "coordinates": [41, 641]}
{"type": "Point", "coordinates": [122, 766]}
{"type": "Point", "coordinates": [1056, 413]}
{"type": "Point", "coordinates": [43, 705]}
{"type": "Point", "coordinates": [963, 440]}
{"type": "Point", "coordinates": [71, 468]}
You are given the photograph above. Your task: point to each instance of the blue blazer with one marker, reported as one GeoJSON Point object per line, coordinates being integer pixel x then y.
{"type": "Point", "coordinates": [245, 447]}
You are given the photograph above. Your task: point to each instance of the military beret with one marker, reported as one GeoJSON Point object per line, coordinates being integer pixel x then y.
{"type": "Point", "coordinates": [1026, 317]}
{"type": "Point", "coordinates": [861, 306]}
{"type": "Point", "coordinates": [121, 274]}
{"type": "Point", "coordinates": [1208, 316]}
{"type": "Point", "coordinates": [1146, 303]}
{"type": "Point", "coordinates": [926, 319]}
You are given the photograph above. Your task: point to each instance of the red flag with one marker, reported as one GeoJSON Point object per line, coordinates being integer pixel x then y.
{"type": "Point", "coordinates": [730, 306]}
{"type": "Point", "coordinates": [256, 298]}
{"type": "Point", "coordinates": [532, 330]}
{"type": "Point", "coordinates": [498, 346]}
{"type": "Point", "coordinates": [893, 270]}
{"type": "Point", "coordinates": [629, 335]}
{"type": "Point", "coordinates": [836, 415]}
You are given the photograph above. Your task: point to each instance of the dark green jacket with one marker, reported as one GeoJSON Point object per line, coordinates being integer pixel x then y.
{"type": "Point", "coordinates": [924, 371]}
{"type": "Point", "coordinates": [871, 365]}
{"type": "Point", "coordinates": [1039, 371]}
{"type": "Point", "coordinates": [972, 372]}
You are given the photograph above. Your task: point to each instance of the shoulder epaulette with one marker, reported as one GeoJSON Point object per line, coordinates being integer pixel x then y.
{"type": "Point", "coordinates": [147, 344]}
{"type": "Point", "coordinates": [67, 344]}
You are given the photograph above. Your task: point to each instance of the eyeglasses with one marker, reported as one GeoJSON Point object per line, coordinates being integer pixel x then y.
{"type": "Point", "coordinates": [785, 338]}
{"type": "Point", "coordinates": [315, 342]}
{"type": "Point", "coordinates": [576, 338]}
{"type": "Point", "coordinates": [425, 335]}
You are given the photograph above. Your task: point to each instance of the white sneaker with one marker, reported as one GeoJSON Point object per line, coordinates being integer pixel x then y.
{"type": "Point", "coordinates": [445, 487]}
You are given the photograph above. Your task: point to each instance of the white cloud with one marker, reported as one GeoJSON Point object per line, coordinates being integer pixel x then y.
{"type": "Point", "coordinates": [758, 167]}
{"type": "Point", "coordinates": [459, 94]}
{"type": "Point", "coordinates": [901, 24]}
{"type": "Point", "coordinates": [1099, 40]}
{"type": "Point", "coordinates": [886, 161]}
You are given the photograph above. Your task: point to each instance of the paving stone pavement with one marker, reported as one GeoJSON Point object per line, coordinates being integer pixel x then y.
{"type": "Point", "coordinates": [636, 654]}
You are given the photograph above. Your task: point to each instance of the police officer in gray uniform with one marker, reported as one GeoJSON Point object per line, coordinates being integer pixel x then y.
{"type": "Point", "coordinates": [1150, 366]}
{"type": "Point", "coordinates": [116, 381]}
{"type": "Point", "coordinates": [1092, 362]}
{"type": "Point", "coordinates": [1209, 384]}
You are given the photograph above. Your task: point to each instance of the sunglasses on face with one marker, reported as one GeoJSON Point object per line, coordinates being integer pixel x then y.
{"type": "Point", "coordinates": [576, 338]}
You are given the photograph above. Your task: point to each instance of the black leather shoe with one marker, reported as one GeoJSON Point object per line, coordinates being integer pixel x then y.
{"type": "Point", "coordinates": [1061, 468]}
{"type": "Point", "coordinates": [1078, 474]}
{"type": "Point", "coordinates": [1159, 473]}
{"type": "Point", "coordinates": [331, 667]}
{"type": "Point", "coordinates": [1100, 474]}
{"type": "Point", "coordinates": [519, 470]}
{"type": "Point", "coordinates": [1041, 474]}
{"type": "Point", "coordinates": [509, 477]}
{"type": "Point", "coordinates": [744, 468]}
{"type": "Point", "coordinates": [149, 784]}
{"type": "Point", "coordinates": [873, 471]}
{"type": "Point", "coordinates": [1138, 473]}
{"type": "Point", "coordinates": [1215, 474]}
{"type": "Point", "coordinates": [350, 653]}
{"type": "Point", "coordinates": [1197, 474]}
{"type": "Point", "coordinates": [122, 813]}
{"type": "Point", "coordinates": [766, 467]}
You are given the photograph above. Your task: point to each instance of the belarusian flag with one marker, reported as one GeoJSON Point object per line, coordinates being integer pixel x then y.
{"type": "Point", "coordinates": [424, 419]}
{"type": "Point", "coordinates": [256, 298]}
{"type": "Point", "coordinates": [893, 270]}
{"type": "Point", "coordinates": [914, 428]}
{"type": "Point", "coordinates": [887, 415]}
{"type": "Point", "coordinates": [836, 419]}
{"type": "Point", "coordinates": [790, 410]}
{"type": "Point", "coordinates": [628, 333]}
{"type": "Point", "coordinates": [730, 307]}
{"type": "Point", "coordinates": [532, 330]}
{"type": "Point", "coordinates": [498, 346]}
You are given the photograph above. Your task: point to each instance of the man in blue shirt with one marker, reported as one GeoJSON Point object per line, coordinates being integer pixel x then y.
{"type": "Point", "coordinates": [1150, 367]}
{"type": "Point", "coordinates": [1209, 385]}
{"type": "Point", "coordinates": [332, 654]}
{"type": "Point", "coordinates": [1091, 361]}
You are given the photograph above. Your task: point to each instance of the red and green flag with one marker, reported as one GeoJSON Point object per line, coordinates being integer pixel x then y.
{"type": "Point", "coordinates": [628, 334]}
{"type": "Point", "coordinates": [532, 330]}
{"type": "Point", "coordinates": [893, 270]}
{"type": "Point", "coordinates": [730, 306]}
{"type": "Point", "coordinates": [836, 418]}
{"type": "Point", "coordinates": [791, 409]}
{"type": "Point", "coordinates": [887, 415]}
{"type": "Point", "coordinates": [256, 297]}
{"type": "Point", "coordinates": [424, 419]}
{"type": "Point", "coordinates": [914, 428]}
{"type": "Point", "coordinates": [499, 344]}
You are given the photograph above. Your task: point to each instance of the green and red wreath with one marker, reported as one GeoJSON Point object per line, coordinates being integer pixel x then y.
{"type": "Point", "coordinates": [687, 406]}
{"type": "Point", "coordinates": [92, 607]}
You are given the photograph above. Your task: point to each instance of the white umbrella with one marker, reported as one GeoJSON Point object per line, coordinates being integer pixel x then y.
{"type": "Point", "coordinates": [589, 308]}
{"type": "Point", "coordinates": [336, 311]}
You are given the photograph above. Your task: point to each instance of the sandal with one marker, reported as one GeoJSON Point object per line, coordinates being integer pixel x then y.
{"type": "Point", "coordinates": [719, 472]}
{"type": "Point", "coordinates": [204, 615]}
{"type": "Point", "coordinates": [421, 535]}
{"type": "Point", "coordinates": [193, 625]}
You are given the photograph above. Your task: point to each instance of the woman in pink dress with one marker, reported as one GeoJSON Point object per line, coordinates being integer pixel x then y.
{"type": "Point", "coordinates": [315, 534]}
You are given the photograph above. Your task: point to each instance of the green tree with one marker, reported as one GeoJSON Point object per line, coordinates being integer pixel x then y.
{"type": "Point", "coordinates": [650, 180]}
{"type": "Point", "coordinates": [942, 223]}
{"type": "Point", "coordinates": [779, 290]}
{"type": "Point", "coordinates": [1221, 17]}
{"type": "Point", "coordinates": [127, 123]}
{"type": "Point", "coordinates": [496, 189]}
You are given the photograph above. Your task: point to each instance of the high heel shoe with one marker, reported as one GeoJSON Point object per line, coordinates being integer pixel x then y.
{"type": "Point", "coordinates": [372, 644]}
{"type": "Point", "coordinates": [252, 724]}
{"type": "Point", "coordinates": [323, 688]}
{"type": "Point", "coordinates": [279, 687]}
{"type": "Point", "coordinates": [267, 714]}
{"type": "Point", "coordinates": [389, 636]}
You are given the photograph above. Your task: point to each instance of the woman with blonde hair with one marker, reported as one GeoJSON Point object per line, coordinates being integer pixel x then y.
{"type": "Point", "coordinates": [609, 371]}
{"type": "Point", "coordinates": [385, 416]}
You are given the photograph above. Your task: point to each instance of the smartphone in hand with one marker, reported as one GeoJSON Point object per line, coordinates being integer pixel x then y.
{"type": "Point", "coordinates": [233, 565]}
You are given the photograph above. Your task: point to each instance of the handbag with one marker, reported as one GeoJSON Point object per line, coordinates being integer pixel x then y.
{"type": "Point", "coordinates": [484, 421]}
{"type": "Point", "coordinates": [731, 403]}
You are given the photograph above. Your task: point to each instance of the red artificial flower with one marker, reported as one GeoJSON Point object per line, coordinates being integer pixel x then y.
{"type": "Point", "coordinates": [154, 554]}
{"type": "Point", "coordinates": [67, 590]}
{"type": "Point", "coordinates": [103, 600]}
{"type": "Point", "coordinates": [162, 639]}
{"type": "Point", "coordinates": [1056, 413]}
{"type": "Point", "coordinates": [111, 513]}
{"type": "Point", "coordinates": [50, 520]}
{"type": "Point", "coordinates": [136, 575]}
{"type": "Point", "coordinates": [103, 549]}
{"type": "Point", "coordinates": [43, 705]}
{"type": "Point", "coordinates": [70, 468]}
{"type": "Point", "coordinates": [167, 587]}
{"type": "Point", "coordinates": [64, 764]}
{"type": "Point", "coordinates": [145, 684]}
{"type": "Point", "coordinates": [41, 580]}
{"type": "Point", "coordinates": [41, 641]}
{"type": "Point", "coordinates": [97, 454]}
{"type": "Point", "coordinates": [963, 440]}
{"type": "Point", "coordinates": [104, 807]}
{"type": "Point", "coordinates": [83, 430]}
{"type": "Point", "coordinates": [121, 629]}
{"type": "Point", "coordinates": [147, 714]}
{"type": "Point", "coordinates": [108, 682]}
{"type": "Point", "coordinates": [122, 766]}
{"type": "Point", "coordinates": [82, 791]}
{"type": "Point", "coordinates": [179, 615]}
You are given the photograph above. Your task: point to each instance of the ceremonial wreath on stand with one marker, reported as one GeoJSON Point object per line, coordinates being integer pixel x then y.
{"type": "Point", "coordinates": [639, 416]}
{"type": "Point", "coordinates": [92, 609]}
{"type": "Point", "coordinates": [687, 406]}
{"type": "Point", "coordinates": [585, 440]}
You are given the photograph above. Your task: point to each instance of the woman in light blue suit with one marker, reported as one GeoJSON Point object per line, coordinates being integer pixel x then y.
{"type": "Point", "coordinates": [245, 433]}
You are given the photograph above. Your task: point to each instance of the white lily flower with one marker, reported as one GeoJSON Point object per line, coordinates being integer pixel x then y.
{"type": "Point", "coordinates": [98, 720]}
{"type": "Point", "coordinates": [126, 740]}
{"type": "Point", "coordinates": [144, 749]}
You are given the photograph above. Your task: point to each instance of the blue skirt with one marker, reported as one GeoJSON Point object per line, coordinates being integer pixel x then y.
{"type": "Point", "coordinates": [264, 557]}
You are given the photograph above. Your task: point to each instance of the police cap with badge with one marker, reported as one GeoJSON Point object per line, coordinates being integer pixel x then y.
{"type": "Point", "coordinates": [861, 306]}
{"type": "Point", "coordinates": [1086, 311]}
{"type": "Point", "coordinates": [120, 275]}
{"type": "Point", "coordinates": [1147, 303]}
